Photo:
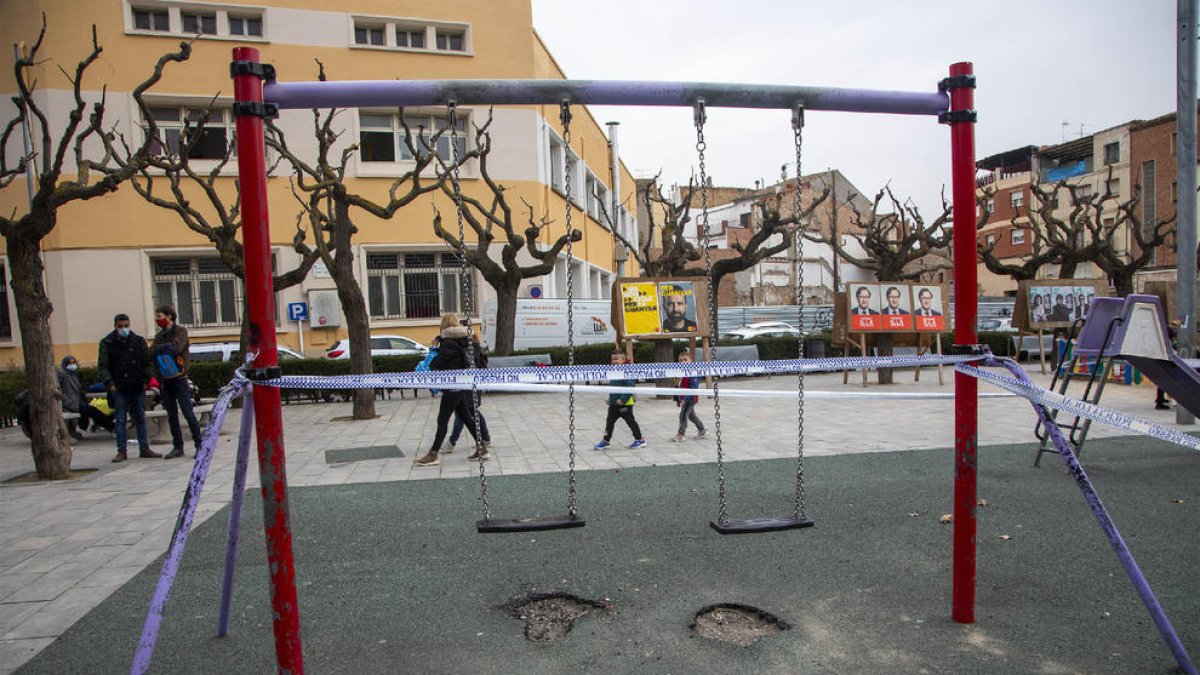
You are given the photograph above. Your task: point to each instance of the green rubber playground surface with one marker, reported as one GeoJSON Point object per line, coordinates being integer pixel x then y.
{"type": "Point", "coordinates": [393, 577]}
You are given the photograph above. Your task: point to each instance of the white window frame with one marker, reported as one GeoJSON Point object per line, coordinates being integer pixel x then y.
{"type": "Point", "coordinates": [227, 123]}
{"type": "Point", "coordinates": [1016, 199]}
{"type": "Point", "coordinates": [555, 163]}
{"type": "Point", "coordinates": [399, 164]}
{"type": "Point", "coordinates": [991, 205]}
{"type": "Point", "coordinates": [395, 26]}
{"type": "Point", "coordinates": [203, 269]}
{"type": "Point", "coordinates": [1114, 187]}
{"type": "Point", "coordinates": [1018, 236]}
{"type": "Point", "coordinates": [395, 296]}
{"type": "Point", "coordinates": [175, 12]}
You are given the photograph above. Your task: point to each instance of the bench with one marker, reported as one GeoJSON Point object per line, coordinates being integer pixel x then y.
{"type": "Point", "coordinates": [736, 353]}
{"type": "Point", "coordinates": [1027, 345]}
{"type": "Point", "coordinates": [156, 420]}
{"type": "Point", "coordinates": [519, 361]}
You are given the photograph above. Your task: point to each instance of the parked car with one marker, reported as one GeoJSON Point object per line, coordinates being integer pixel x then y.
{"type": "Point", "coordinates": [228, 351]}
{"type": "Point", "coordinates": [381, 345]}
{"type": "Point", "coordinates": [998, 324]}
{"type": "Point", "coordinates": [761, 329]}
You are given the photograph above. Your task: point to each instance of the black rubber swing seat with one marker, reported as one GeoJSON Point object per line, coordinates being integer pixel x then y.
{"type": "Point", "coordinates": [528, 524]}
{"type": "Point", "coordinates": [752, 525]}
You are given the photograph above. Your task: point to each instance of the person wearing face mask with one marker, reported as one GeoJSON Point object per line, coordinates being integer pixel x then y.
{"type": "Point", "coordinates": [171, 360]}
{"type": "Point", "coordinates": [124, 368]}
{"type": "Point", "coordinates": [74, 400]}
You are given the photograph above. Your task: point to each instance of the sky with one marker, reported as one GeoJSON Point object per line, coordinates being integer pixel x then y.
{"type": "Point", "coordinates": [1039, 64]}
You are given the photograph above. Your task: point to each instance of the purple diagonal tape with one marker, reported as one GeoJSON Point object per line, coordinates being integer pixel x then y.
{"type": "Point", "coordinates": [183, 525]}
{"type": "Point", "coordinates": [1115, 540]}
{"type": "Point", "coordinates": [235, 509]}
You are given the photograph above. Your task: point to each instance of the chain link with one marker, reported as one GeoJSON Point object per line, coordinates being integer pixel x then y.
{"type": "Point", "coordinates": [797, 134]}
{"type": "Point", "coordinates": [572, 507]}
{"type": "Point", "coordinates": [465, 296]}
{"type": "Point", "coordinates": [701, 146]}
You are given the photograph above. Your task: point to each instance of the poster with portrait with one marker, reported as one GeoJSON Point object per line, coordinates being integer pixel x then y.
{"type": "Point", "coordinates": [1055, 303]}
{"type": "Point", "coordinates": [864, 307]}
{"type": "Point", "coordinates": [896, 307]}
{"type": "Point", "coordinates": [929, 311]}
{"type": "Point", "coordinates": [661, 307]}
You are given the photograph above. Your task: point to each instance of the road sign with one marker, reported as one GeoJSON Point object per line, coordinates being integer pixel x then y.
{"type": "Point", "coordinates": [297, 311]}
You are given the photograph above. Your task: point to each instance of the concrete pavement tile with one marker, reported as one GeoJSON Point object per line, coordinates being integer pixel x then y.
{"type": "Point", "coordinates": [13, 613]}
{"type": "Point", "coordinates": [31, 543]}
{"type": "Point", "coordinates": [11, 582]}
{"type": "Point", "coordinates": [57, 616]}
{"type": "Point", "coordinates": [14, 557]}
{"type": "Point", "coordinates": [111, 577]}
{"type": "Point", "coordinates": [14, 653]}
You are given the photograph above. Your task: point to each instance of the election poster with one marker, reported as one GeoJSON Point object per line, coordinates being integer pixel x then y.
{"type": "Point", "coordinates": [661, 307]}
{"type": "Point", "coordinates": [929, 313]}
{"type": "Point", "coordinates": [1044, 304]}
{"type": "Point", "coordinates": [864, 308]}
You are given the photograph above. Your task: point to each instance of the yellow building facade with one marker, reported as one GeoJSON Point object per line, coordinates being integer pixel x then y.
{"type": "Point", "coordinates": [122, 254]}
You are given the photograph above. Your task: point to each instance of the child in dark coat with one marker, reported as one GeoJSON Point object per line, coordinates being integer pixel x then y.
{"type": "Point", "coordinates": [687, 404]}
{"type": "Point", "coordinates": [620, 406]}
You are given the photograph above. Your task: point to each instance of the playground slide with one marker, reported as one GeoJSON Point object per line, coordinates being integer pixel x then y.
{"type": "Point", "coordinates": [1175, 378]}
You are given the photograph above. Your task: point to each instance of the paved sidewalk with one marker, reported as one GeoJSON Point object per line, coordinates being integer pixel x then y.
{"type": "Point", "coordinates": [65, 547]}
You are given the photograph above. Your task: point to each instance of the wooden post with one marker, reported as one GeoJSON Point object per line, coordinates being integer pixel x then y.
{"type": "Point", "coordinates": [863, 349]}
{"type": "Point", "coordinates": [941, 377]}
{"type": "Point", "coordinates": [704, 344]}
{"type": "Point", "coordinates": [1042, 349]}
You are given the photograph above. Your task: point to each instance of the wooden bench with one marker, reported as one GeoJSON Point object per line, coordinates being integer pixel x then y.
{"type": "Point", "coordinates": [156, 420]}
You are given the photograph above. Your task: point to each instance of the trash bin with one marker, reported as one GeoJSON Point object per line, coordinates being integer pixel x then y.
{"type": "Point", "coordinates": [814, 348]}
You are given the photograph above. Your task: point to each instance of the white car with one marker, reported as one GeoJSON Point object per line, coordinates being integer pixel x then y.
{"type": "Point", "coordinates": [381, 345]}
{"type": "Point", "coordinates": [761, 329]}
{"type": "Point", "coordinates": [228, 351]}
{"type": "Point", "coordinates": [998, 324]}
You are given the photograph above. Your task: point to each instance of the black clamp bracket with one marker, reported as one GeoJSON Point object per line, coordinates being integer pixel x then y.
{"type": "Point", "coordinates": [951, 116]}
{"type": "Point", "coordinates": [969, 350]}
{"type": "Point", "coordinates": [263, 110]}
{"type": "Point", "coordinates": [262, 374]}
{"type": "Point", "coordinates": [263, 71]}
{"type": "Point", "coordinates": [957, 82]}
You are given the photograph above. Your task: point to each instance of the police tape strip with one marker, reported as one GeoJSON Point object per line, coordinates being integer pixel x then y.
{"type": "Point", "coordinates": [605, 389]}
{"type": "Point", "coordinates": [446, 379]}
{"type": "Point", "coordinates": [1112, 418]}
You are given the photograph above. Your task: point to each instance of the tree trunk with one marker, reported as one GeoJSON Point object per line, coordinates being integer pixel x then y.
{"type": "Point", "coordinates": [51, 450]}
{"type": "Point", "coordinates": [506, 317]}
{"type": "Point", "coordinates": [664, 352]}
{"type": "Point", "coordinates": [354, 306]}
{"type": "Point", "coordinates": [1122, 282]}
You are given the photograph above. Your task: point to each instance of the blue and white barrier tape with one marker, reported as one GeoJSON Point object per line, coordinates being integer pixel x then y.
{"type": "Point", "coordinates": [606, 389]}
{"type": "Point", "coordinates": [1112, 418]}
{"type": "Point", "coordinates": [446, 379]}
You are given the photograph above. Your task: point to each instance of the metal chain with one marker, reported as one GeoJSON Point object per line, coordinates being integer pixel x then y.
{"type": "Point", "coordinates": [565, 117]}
{"type": "Point", "coordinates": [465, 296]}
{"type": "Point", "coordinates": [699, 117]}
{"type": "Point", "coordinates": [797, 133]}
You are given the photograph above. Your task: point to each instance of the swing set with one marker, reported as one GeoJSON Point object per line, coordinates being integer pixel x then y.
{"type": "Point", "coordinates": [258, 95]}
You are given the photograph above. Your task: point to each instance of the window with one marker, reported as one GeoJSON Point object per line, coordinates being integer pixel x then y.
{"type": "Point", "coordinates": [1112, 153]}
{"type": "Point", "coordinates": [1082, 192]}
{"type": "Point", "coordinates": [991, 206]}
{"type": "Point", "coordinates": [381, 136]}
{"type": "Point", "coordinates": [556, 161]}
{"type": "Point", "coordinates": [1017, 198]}
{"type": "Point", "coordinates": [1174, 142]}
{"type": "Point", "coordinates": [1018, 236]}
{"type": "Point", "coordinates": [744, 220]}
{"type": "Point", "coordinates": [151, 19]}
{"type": "Point", "coordinates": [213, 142]}
{"type": "Point", "coordinates": [413, 38]}
{"type": "Point", "coordinates": [1114, 187]}
{"type": "Point", "coordinates": [368, 35]}
{"type": "Point", "coordinates": [412, 285]}
{"type": "Point", "coordinates": [243, 25]}
{"type": "Point", "coordinates": [589, 190]}
{"type": "Point", "coordinates": [991, 240]}
{"type": "Point", "coordinates": [1174, 193]}
{"type": "Point", "coordinates": [199, 23]}
{"type": "Point", "coordinates": [203, 290]}
{"type": "Point", "coordinates": [452, 41]}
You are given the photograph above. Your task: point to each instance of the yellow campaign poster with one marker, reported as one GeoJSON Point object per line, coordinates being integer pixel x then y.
{"type": "Point", "coordinates": [639, 307]}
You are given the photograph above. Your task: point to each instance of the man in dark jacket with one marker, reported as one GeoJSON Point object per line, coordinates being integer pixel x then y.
{"type": "Point", "coordinates": [171, 360]}
{"type": "Point", "coordinates": [124, 368]}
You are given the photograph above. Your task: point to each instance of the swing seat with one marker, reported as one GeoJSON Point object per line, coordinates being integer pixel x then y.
{"type": "Point", "coordinates": [528, 524]}
{"type": "Point", "coordinates": [752, 525]}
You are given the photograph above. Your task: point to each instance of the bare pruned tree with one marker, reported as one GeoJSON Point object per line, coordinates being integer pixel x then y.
{"type": "Point", "coordinates": [1089, 232]}
{"type": "Point", "coordinates": [54, 187]}
{"type": "Point", "coordinates": [168, 179]}
{"type": "Point", "coordinates": [494, 224]}
{"type": "Point", "coordinates": [320, 188]}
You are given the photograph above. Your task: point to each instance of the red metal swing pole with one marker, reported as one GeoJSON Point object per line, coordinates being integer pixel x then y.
{"type": "Point", "coordinates": [260, 298]}
{"type": "Point", "coordinates": [961, 118]}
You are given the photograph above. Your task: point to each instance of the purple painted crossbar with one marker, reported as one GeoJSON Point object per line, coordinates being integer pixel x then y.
{"type": "Point", "coordinates": [393, 93]}
{"type": "Point", "coordinates": [1115, 540]}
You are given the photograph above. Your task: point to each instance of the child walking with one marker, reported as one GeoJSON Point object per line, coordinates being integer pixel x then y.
{"type": "Point", "coordinates": [620, 406]}
{"type": "Point", "coordinates": [687, 403]}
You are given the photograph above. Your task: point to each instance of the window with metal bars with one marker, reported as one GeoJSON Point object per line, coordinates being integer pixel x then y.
{"type": "Point", "coordinates": [413, 285]}
{"type": "Point", "coordinates": [6, 332]}
{"type": "Point", "coordinates": [202, 289]}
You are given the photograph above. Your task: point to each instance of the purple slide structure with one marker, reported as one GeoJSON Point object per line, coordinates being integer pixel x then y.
{"type": "Point", "coordinates": [1135, 328]}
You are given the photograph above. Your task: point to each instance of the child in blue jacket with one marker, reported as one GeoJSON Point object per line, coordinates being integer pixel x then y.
{"type": "Point", "coordinates": [687, 404]}
{"type": "Point", "coordinates": [620, 406]}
